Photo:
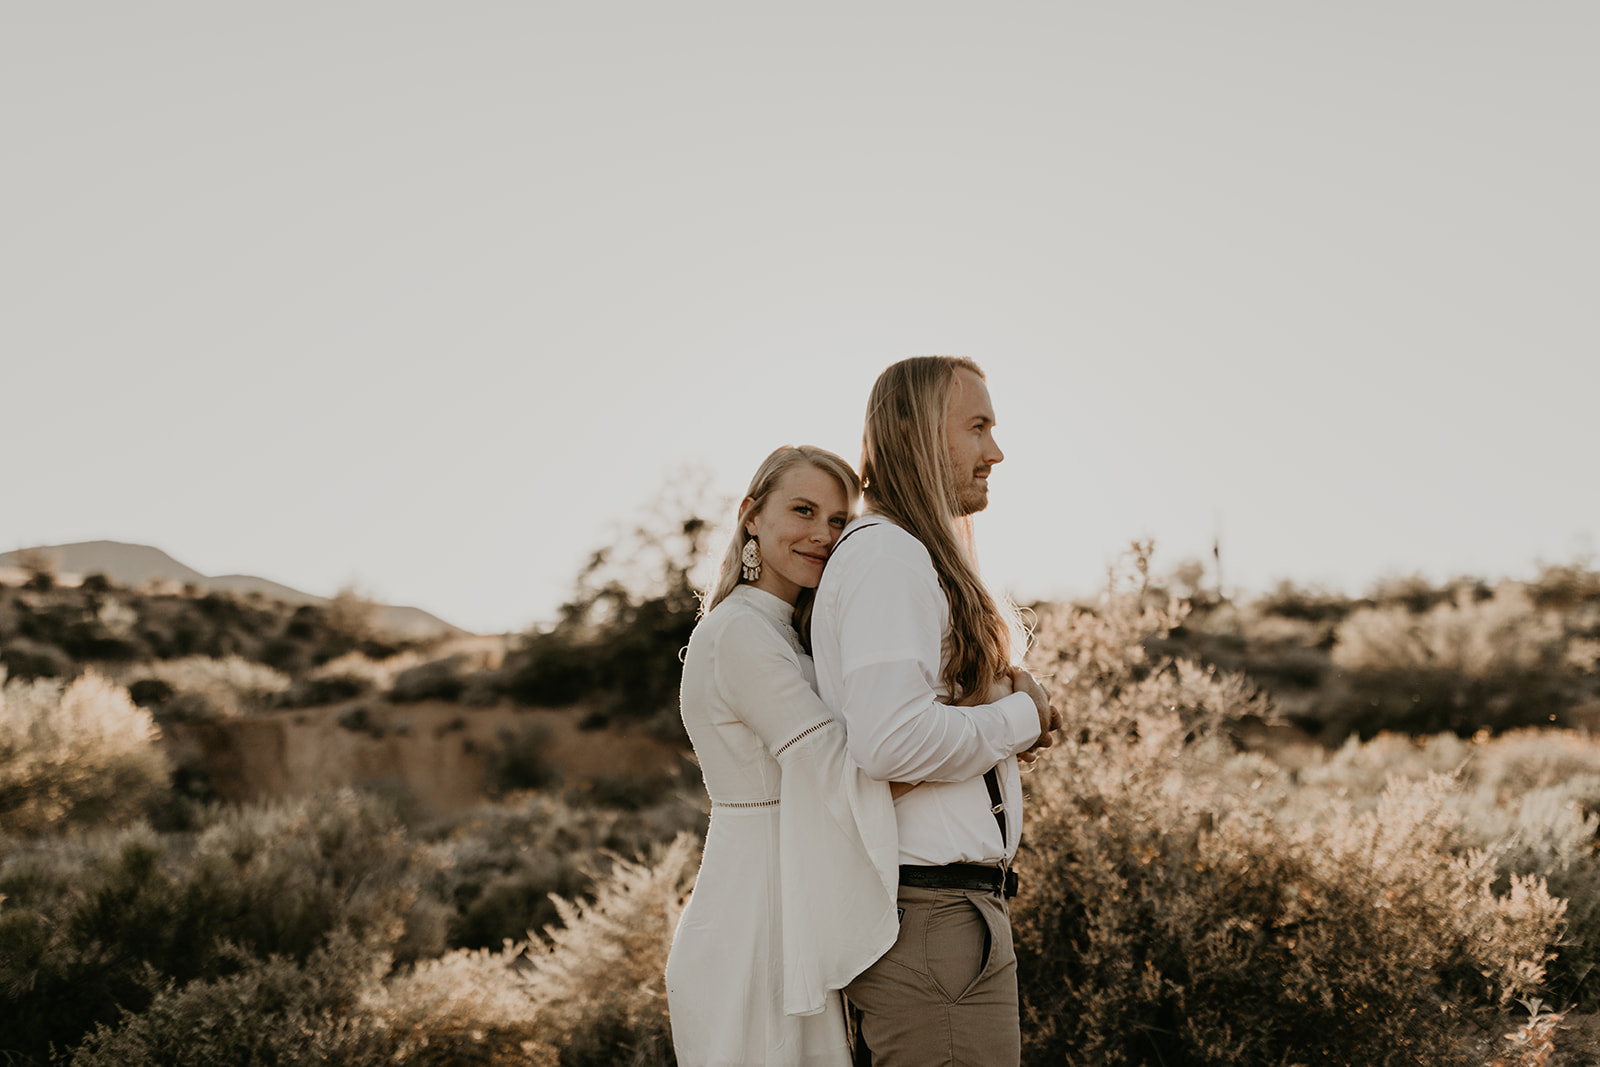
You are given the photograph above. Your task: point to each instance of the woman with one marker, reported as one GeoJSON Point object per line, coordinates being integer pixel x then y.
{"type": "Point", "coordinates": [796, 891]}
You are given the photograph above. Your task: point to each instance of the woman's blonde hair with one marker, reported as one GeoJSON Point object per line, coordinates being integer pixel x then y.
{"type": "Point", "coordinates": [906, 476]}
{"type": "Point", "coordinates": [774, 467]}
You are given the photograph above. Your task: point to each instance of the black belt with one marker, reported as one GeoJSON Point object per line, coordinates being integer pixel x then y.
{"type": "Point", "coordinates": [979, 876]}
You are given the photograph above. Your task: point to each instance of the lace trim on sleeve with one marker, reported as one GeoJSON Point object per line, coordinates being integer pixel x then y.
{"type": "Point", "coordinates": [803, 734]}
{"type": "Point", "coordinates": [746, 803]}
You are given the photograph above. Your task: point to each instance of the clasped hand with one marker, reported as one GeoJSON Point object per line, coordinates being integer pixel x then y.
{"type": "Point", "coordinates": [1020, 680]}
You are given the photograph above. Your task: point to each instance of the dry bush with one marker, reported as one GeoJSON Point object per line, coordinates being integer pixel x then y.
{"type": "Point", "coordinates": [503, 863]}
{"type": "Point", "coordinates": [228, 687]}
{"type": "Point", "coordinates": [1185, 903]}
{"type": "Point", "coordinates": [1463, 664]}
{"type": "Point", "coordinates": [74, 755]}
{"type": "Point", "coordinates": [601, 983]}
{"type": "Point", "coordinates": [588, 993]}
{"type": "Point", "coordinates": [1506, 634]}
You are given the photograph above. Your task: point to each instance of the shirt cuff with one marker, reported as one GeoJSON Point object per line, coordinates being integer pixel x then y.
{"type": "Point", "coordinates": [1022, 720]}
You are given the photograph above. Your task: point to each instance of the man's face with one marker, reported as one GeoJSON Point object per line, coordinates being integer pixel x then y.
{"type": "Point", "coordinates": [969, 430]}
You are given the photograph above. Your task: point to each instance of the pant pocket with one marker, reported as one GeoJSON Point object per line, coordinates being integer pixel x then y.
{"type": "Point", "coordinates": [958, 945]}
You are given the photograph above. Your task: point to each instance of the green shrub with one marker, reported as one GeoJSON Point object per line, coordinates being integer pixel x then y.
{"type": "Point", "coordinates": [273, 1012]}
{"type": "Point", "coordinates": [87, 929]}
{"type": "Point", "coordinates": [520, 760]}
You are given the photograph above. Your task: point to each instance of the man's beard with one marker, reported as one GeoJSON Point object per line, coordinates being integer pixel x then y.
{"type": "Point", "coordinates": [971, 499]}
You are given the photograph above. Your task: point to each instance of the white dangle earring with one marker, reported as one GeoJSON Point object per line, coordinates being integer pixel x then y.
{"type": "Point", "coordinates": [750, 560]}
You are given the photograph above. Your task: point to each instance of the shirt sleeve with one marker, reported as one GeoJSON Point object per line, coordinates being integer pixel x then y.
{"type": "Point", "coordinates": [758, 675]}
{"type": "Point", "coordinates": [891, 626]}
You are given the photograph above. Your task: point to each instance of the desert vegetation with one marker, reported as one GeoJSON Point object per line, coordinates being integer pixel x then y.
{"type": "Point", "coordinates": [1304, 828]}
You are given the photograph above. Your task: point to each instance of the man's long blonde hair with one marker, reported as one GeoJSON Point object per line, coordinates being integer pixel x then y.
{"type": "Point", "coordinates": [906, 476]}
{"type": "Point", "coordinates": [775, 466]}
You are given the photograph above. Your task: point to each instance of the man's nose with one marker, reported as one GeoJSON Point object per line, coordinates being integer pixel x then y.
{"type": "Point", "coordinates": [995, 455]}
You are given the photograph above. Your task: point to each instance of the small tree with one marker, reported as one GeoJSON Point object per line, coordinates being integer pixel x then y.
{"type": "Point", "coordinates": [620, 636]}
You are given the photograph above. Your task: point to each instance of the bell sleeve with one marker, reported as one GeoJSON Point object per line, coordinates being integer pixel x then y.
{"type": "Point", "coordinates": [838, 846]}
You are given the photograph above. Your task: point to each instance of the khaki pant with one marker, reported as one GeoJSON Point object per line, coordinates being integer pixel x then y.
{"type": "Point", "coordinates": [946, 993]}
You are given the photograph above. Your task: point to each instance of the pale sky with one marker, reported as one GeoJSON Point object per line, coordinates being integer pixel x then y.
{"type": "Point", "coordinates": [429, 299]}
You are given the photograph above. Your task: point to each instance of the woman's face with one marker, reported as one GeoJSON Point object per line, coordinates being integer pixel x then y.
{"type": "Point", "coordinates": [796, 529]}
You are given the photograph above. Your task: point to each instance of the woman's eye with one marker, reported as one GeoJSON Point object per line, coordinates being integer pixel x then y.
{"type": "Point", "coordinates": [803, 510]}
{"type": "Point", "coordinates": [838, 524]}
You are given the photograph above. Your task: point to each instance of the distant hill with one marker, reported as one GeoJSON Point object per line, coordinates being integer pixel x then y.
{"type": "Point", "coordinates": [134, 565]}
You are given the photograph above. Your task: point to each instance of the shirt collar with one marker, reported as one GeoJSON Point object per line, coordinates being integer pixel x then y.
{"type": "Point", "coordinates": [773, 607]}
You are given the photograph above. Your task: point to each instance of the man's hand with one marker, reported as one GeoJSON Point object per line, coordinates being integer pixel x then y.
{"type": "Point", "coordinates": [1000, 688]}
{"type": "Point", "coordinates": [1049, 717]}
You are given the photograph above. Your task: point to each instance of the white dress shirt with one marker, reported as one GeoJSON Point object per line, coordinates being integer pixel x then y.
{"type": "Point", "coordinates": [878, 637]}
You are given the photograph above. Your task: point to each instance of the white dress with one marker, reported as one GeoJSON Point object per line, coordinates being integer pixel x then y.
{"type": "Point", "coordinates": [796, 891]}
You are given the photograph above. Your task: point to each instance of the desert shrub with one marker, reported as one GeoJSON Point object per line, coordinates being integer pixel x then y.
{"type": "Point", "coordinates": [146, 692]}
{"type": "Point", "coordinates": [552, 669]}
{"type": "Point", "coordinates": [628, 792]}
{"type": "Point", "coordinates": [271, 1012]}
{"type": "Point", "coordinates": [26, 659]}
{"type": "Point", "coordinates": [1289, 601]}
{"type": "Point", "coordinates": [1183, 903]}
{"type": "Point", "coordinates": [74, 755]}
{"type": "Point", "coordinates": [440, 679]}
{"type": "Point", "coordinates": [1528, 799]}
{"type": "Point", "coordinates": [328, 689]}
{"type": "Point", "coordinates": [1472, 637]}
{"type": "Point", "coordinates": [599, 985]}
{"type": "Point", "coordinates": [520, 760]}
{"type": "Point", "coordinates": [1564, 586]}
{"type": "Point", "coordinates": [484, 689]}
{"type": "Point", "coordinates": [1164, 932]}
{"type": "Point", "coordinates": [498, 864]}
{"type": "Point", "coordinates": [1462, 665]}
{"type": "Point", "coordinates": [228, 687]}
{"type": "Point", "coordinates": [91, 928]}
{"type": "Point", "coordinates": [375, 673]}
{"type": "Point", "coordinates": [585, 994]}
{"type": "Point", "coordinates": [360, 720]}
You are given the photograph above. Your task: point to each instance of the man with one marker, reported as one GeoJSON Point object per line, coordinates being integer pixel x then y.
{"type": "Point", "coordinates": [913, 655]}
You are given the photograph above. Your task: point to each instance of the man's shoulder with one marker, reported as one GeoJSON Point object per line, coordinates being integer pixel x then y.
{"type": "Point", "coordinates": [872, 539]}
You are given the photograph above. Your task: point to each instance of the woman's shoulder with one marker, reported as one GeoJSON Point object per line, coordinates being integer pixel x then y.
{"type": "Point", "coordinates": [737, 626]}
